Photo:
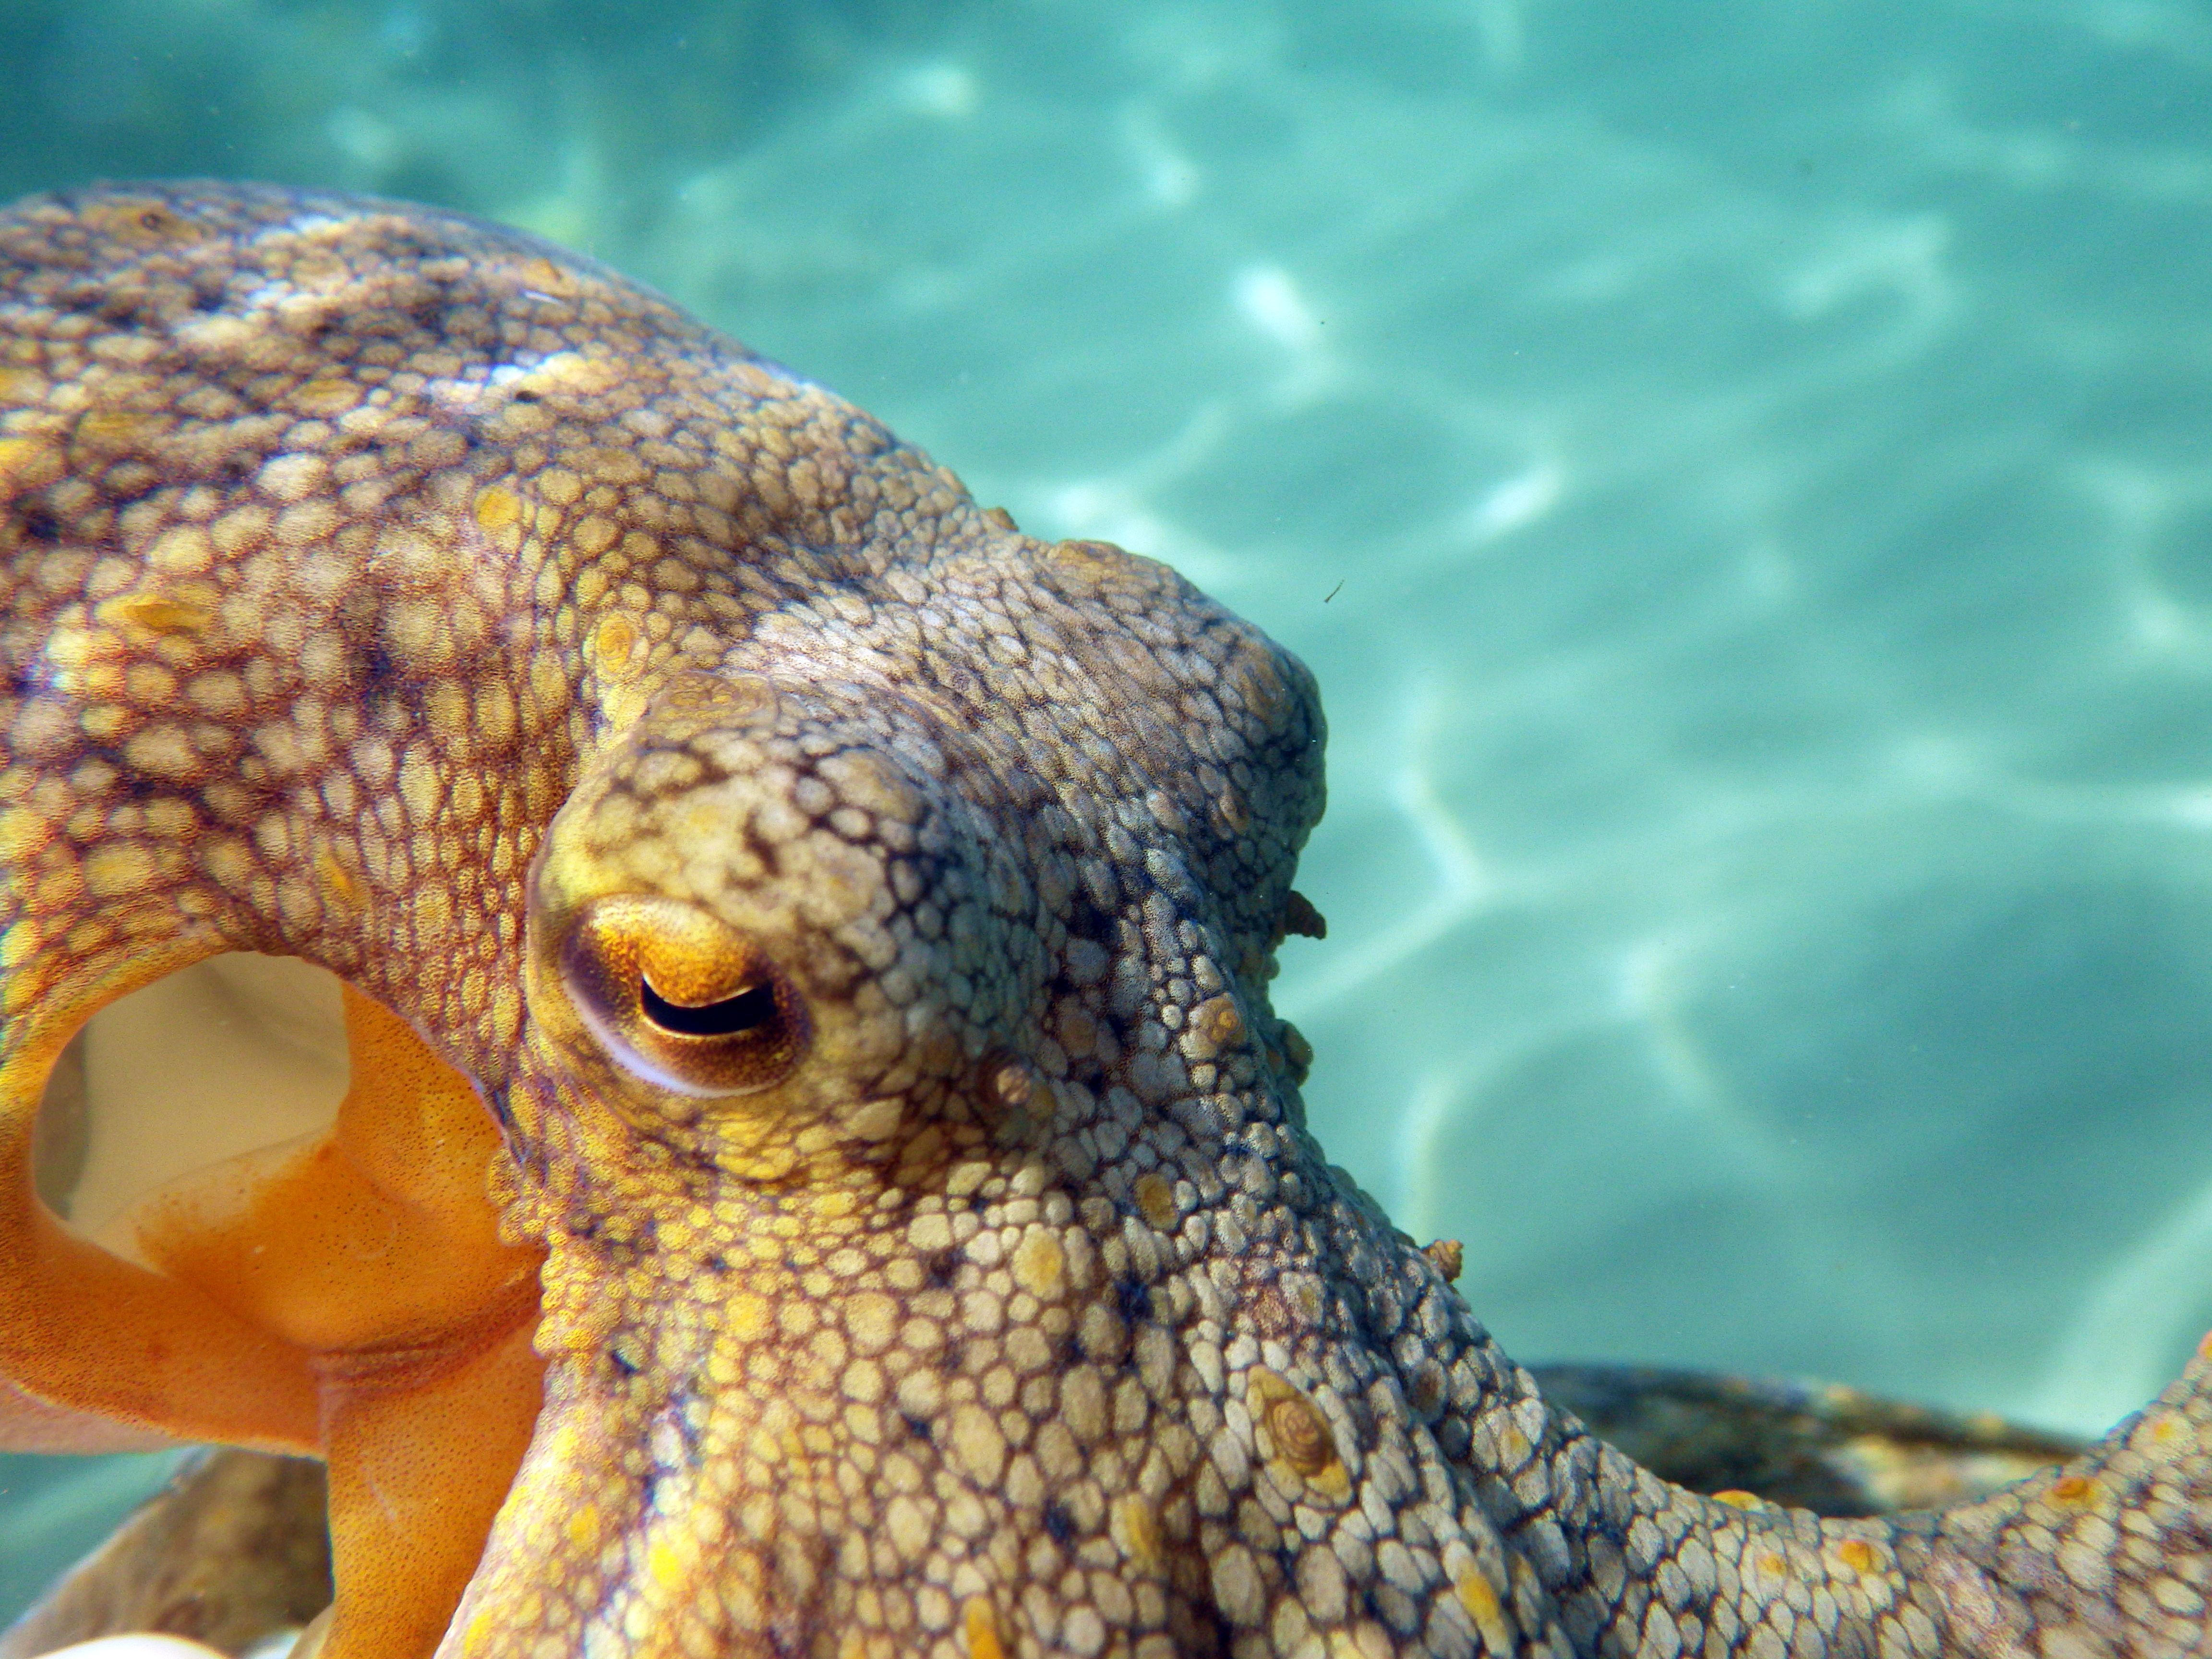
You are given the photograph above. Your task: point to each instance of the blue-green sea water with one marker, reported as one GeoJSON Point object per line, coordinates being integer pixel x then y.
{"type": "Point", "coordinates": [1739, 469]}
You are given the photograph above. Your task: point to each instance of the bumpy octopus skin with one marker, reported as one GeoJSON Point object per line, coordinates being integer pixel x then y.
{"type": "Point", "coordinates": [857, 917]}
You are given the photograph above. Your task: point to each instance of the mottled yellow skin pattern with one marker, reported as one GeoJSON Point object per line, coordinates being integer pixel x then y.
{"type": "Point", "coordinates": [397, 592]}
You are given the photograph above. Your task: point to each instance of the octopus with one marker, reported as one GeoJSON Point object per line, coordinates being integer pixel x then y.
{"type": "Point", "coordinates": [816, 1169]}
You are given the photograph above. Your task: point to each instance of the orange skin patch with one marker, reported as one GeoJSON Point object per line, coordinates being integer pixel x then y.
{"type": "Point", "coordinates": [87, 1339]}
{"type": "Point", "coordinates": [374, 1251]}
{"type": "Point", "coordinates": [347, 1296]}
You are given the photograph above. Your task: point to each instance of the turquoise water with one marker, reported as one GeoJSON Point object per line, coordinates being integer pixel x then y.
{"type": "Point", "coordinates": [1739, 472]}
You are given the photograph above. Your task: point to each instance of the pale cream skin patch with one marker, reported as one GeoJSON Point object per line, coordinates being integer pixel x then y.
{"type": "Point", "coordinates": [857, 917]}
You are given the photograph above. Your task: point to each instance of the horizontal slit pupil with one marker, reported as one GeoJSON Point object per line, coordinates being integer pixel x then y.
{"type": "Point", "coordinates": [750, 1009]}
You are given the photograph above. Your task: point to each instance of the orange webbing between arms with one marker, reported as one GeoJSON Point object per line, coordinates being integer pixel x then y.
{"type": "Point", "coordinates": [348, 1293]}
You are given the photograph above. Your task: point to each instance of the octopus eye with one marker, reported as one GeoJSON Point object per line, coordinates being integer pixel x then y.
{"type": "Point", "coordinates": [682, 999]}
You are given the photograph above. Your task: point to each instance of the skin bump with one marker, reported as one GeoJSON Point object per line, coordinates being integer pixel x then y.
{"type": "Point", "coordinates": [822, 1172]}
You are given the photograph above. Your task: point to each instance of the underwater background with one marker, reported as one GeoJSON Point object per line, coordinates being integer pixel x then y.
{"type": "Point", "coordinates": [1739, 470]}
